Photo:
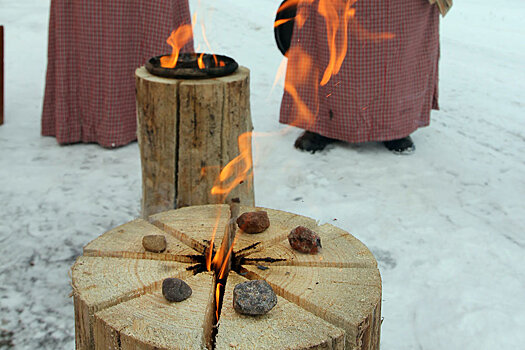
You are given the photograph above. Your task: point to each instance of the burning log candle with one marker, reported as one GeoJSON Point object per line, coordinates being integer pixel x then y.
{"type": "Point", "coordinates": [193, 112]}
{"type": "Point", "coordinates": [333, 296]}
{"type": "Point", "coordinates": [193, 66]}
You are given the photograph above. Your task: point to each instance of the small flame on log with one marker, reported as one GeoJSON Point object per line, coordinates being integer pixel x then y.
{"type": "Point", "coordinates": [177, 40]}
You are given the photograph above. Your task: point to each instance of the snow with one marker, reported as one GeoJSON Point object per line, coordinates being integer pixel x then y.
{"type": "Point", "coordinates": [446, 223]}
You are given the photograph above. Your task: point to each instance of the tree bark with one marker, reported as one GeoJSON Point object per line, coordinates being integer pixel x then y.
{"type": "Point", "coordinates": [187, 132]}
{"type": "Point", "coordinates": [330, 300]}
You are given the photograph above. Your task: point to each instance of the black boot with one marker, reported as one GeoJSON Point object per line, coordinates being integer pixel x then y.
{"type": "Point", "coordinates": [312, 142]}
{"type": "Point", "coordinates": [401, 146]}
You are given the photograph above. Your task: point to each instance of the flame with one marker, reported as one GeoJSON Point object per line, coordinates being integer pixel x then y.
{"type": "Point", "coordinates": [178, 38]}
{"type": "Point", "coordinates": [237, 170]}
{"type": "Point", "coordinates": [209, 252]}
{"type": "Point", "coordinates": [304, 74]}
{"type": "Point", "coordinates": [233, 174]}
{"type": "Point", "coordinates": [279, 77]}
{"type": "Point", "coordinates": [336, 25]}
{"type": "Point", "coordinates": [208, 44]}
{"type": "Point", "coordinates": [217, 297]}
{"type": "Point", "coordinates": [201, 66]}
{"type": "Point", "coordinates": [307, 75]}
{"type": "Point", "coordinates": [281, 21]}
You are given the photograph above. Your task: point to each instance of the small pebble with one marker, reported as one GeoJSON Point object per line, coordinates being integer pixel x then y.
{"type": "Point", "coordinates": [154, 243]}
{"type": "Point", "coordinates": [254, 298]}
{"type": "Point", "coordinates": [175, 289]}
{"type": "Point", "coordinates": [304, 240]}
{"type": "Point", "coordinates": [254, 221]}
{"type": "Point", "coordinates": [261, 267]}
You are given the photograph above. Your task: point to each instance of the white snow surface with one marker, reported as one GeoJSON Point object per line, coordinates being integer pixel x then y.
{"type": "Point", "coordinates": [446, 224]}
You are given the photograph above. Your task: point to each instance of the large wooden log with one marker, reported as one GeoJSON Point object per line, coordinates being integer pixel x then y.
{"type": "Point", "coordinates": [187, 132]}
{"type": "Point", "coordinates": [331, 300]}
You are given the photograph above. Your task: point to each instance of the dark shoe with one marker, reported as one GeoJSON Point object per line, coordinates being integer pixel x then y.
{"type": "Point", "coordinates": [312, 142]}
{"type": "Point", "coordinates": [401, 146]}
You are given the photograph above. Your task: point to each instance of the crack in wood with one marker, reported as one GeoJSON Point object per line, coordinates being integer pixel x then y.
{"type": "Point", "coordinates": [220, 278]}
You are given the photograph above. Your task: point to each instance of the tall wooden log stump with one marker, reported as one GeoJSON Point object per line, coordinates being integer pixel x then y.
{"type": "Point", "coordinates": [330, 300]}
{"type": "Point", "coordinates": [187, 132]}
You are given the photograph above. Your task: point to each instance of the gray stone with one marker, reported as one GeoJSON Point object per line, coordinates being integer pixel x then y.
{"type": "Point", "coordinates": [175, 289]}
{"type": "Point", "coordinates": [254, 298]}
{"type": "Point", "coordinates": [154, 243]}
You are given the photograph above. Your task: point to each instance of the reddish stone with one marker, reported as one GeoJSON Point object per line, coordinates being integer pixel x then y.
{"type": "Point", "coordinates": [254, 221]}
{"type": "Point", "coordinates": [304, 240]}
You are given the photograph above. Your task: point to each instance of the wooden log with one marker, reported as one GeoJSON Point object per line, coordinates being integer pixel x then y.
{"type": "Point", "coordinates": [276, 329]}
{"type": "Point", "coordinates": [187, 132]}
{"type": "Point", "coordinates": [331, 300]}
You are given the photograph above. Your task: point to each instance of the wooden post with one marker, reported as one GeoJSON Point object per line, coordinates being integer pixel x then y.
{"type": "Point", "coordinates": [1, 75]}
{"type": "Point", "coordinates": [331, 300]}
{"type": "Point", "coordinates": [187, 132]}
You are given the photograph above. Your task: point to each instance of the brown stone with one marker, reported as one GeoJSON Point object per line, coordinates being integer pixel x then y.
{"type": "Point", "coordinates": [154, 243]}
{"type": "Point", "coordinates": [254, 221]}
{"type": "Point", "coordinates": [304, 240]}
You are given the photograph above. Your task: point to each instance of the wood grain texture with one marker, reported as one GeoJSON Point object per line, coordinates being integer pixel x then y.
{"type": "Point", "coordinates": [281, 223]}
{"type": "Point", "coordinates": [339, 249]}
{"type": "Point", "coordinates": [101, 282]}
{"type": "Point", "coordinates": [331, 300]}
{"type": "Point", "coordinates": [286, 326]}
{"type": "Point", "coordinates": [346, 297]}
{"type": "Point", "coordinates": [125, 241]}
{"type": "Point", "coordinates": [194, 226]}
{"type": "Point", "coordinates": [187, 132]}
{"type": "Point", "coordinates": [151, 322]}
{"type": "Point", "coordinates": [157, 135]}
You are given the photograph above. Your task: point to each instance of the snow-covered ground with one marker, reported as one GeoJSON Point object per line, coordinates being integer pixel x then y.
{"type": "Point", "coordinates": [447, 224]}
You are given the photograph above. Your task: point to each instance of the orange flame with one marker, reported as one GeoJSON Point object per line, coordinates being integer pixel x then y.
{"type": "Point", "coordinates": [208, 44]}
{"type": "Point", "coordinates": [209, 252]}
{"type": "Point", "coordinates": [221, 259]}
{"type": "Point", "coordinates": [341, 22]}
{"type": "Point", "coordinates": [281, 21]}
{"type": "Point", "coordinates": [178, 38]}
{"type": "Point", "coordinates": [336, 25]}
{"type": "Point", "coordinates": [237, 170]}
{"type": "Point", "coordinates": [201, 66]}
{"type": "Point", "coordinates": [217, 296]}
{"type": "Point", "coordinates": [233, 174]}
{"type": "Point", "coordinates": [305, 73]}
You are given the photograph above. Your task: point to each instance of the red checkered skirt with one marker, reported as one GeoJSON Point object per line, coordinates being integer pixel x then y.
{"type": "Point", "coordinates": [94, 48]}
{"type": "Point", "coordinates": [387, 84]}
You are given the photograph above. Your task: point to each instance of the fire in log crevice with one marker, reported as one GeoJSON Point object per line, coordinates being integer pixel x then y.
{"type": "Point", "coordinates": [221, 268]}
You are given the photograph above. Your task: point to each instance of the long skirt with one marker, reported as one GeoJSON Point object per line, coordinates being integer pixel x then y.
{"type": "Point", "coordinates": [382, 89]}
{"type": "Point", "coordinates": [94, 48]}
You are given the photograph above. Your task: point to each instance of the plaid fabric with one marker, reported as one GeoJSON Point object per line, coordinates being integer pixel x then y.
{"type": "Point", "coordinates": [94, 48]}
{"type": "Point", "coordinates": [385, 88]}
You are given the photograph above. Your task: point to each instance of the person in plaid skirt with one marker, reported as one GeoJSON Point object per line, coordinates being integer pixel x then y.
{"type": "Point", "coordinates": [94, 48]}
{"type": "Point", "coordinates": [385, 87]}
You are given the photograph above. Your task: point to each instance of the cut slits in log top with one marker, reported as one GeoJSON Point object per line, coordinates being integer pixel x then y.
{"type": "Point", "coordinates": [331, 300]}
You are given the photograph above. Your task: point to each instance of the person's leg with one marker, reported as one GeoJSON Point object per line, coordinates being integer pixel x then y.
{"type": "Point", "coordinates": [312, 142]}
{"type": "Point", "coordinates": [404, 145]}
